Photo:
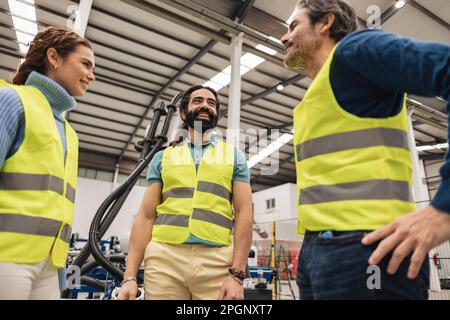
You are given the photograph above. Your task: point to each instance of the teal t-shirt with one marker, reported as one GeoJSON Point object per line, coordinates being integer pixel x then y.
{"type": "Point", "coordinates": [240, 173]}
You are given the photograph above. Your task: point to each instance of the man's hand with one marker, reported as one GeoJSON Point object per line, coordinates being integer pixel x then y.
{"type": "Point", "coordinates": [417, 232]}
{"type": "Point", "coordinates": [128, 291]}
{"type": "Point", "coordinates": [231, 290]}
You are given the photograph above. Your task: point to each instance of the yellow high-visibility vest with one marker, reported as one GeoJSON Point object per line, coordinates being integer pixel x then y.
{"type": "Point", "coordinates": [197, 203]}
{"type": "Point", "coordinates": [37, 187]}
{"type": "Point", "coordinates": [353, 173]}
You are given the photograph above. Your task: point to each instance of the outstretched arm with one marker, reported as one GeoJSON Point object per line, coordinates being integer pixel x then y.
{"type": "Point", "coordinates": [395, 64]}
{"type": "Point", "coordinates": [141, 234]}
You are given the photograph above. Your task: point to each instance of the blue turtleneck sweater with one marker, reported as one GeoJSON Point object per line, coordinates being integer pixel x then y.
{"type": "Point", "coordinates": [12, 116]}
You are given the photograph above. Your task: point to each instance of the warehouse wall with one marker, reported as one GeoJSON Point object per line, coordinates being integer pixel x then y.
{"type": "Point", "coordinates": [90, 194]}
{"type": "Point", "coordinates": [284, 212]}
{"type": "Point", "coordinates": [285, 200]}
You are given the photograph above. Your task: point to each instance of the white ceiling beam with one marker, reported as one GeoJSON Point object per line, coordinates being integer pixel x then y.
{"type": "Point", "coordinates": [82, 17]}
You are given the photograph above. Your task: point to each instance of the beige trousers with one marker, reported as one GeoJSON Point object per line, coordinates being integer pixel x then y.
{"type": "Point", "coordinates": [185, 271]}
{"type": "Point", "coordinates": [37, 281]}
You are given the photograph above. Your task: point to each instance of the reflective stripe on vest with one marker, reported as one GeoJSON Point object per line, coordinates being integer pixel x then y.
{"type": "Point", "coordinates": [214, 188]}
{"type": "Point", "coordinates": [65, 233]}
{"type": "Point", "coordinates": [41, 182]}
{"type": "Point", "coordinates": [212, 217]}
{"type": "Point", "coordinates": [37, 226]}
{"type": "Point", "coordinates": [181, 192]}
{"type": "Point", "coordinates": [179, 220]}
{"type": "Point", "coordinates": [352, 140]}
{"type": "Point", "coordinates": [70, 193]}
{"type": "Point", "coordinates": [363, 190]}
{"type": "Point", "coordinates": [203, 186]}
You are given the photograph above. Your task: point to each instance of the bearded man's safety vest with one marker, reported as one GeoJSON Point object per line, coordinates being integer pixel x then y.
{"type": "Point", "coordinates": [37, 187]}
{"type": "Point", "coordinates": [197, 203]}
{"type": "Point", "coordinates": [353, 173]}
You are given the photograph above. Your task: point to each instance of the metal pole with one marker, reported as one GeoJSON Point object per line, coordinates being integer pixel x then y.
{"type": "Point", "coordinates": [234, 102]}
{"type": "Point", "coordinates": [418, 192]}
{"type": "Point", "coordinates": [116, 176]}
{"type": "Point", "coordinates": [81, 20]}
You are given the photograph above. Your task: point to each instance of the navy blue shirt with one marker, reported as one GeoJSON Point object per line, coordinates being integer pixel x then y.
{"type": "Point", "coordinates": [371, 70]}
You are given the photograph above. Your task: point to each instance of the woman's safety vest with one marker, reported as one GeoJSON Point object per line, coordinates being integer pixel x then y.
{"type": "Point", "coordinates": [353, 173]}
{"type": "Point", "coordinates": [37, 187]}
{"type": "Point", "coordinates": [197, 203]}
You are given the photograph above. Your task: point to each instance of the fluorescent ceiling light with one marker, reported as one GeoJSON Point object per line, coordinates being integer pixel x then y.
{"type": "Point", "coordinates": [248, 62]}
{"type": "Point", "coordinates": [400, 4]}
{"type": "Point", "coordinates": [25, 30]}
{"type": "Point", "coordinates": [221, 78]}
{"type": "Point", "coordinates": [271, 148]}
{"type": "Point", "coordinates": [439, 146]}
{"type": "Point", "coordinates": [265, 49]}
{"type": "Point", "coordinates": [213, 85]}
{"type": "Point", "coordinates": [243, 70]}
{"type": "Point", "coordinates": [251, 61]}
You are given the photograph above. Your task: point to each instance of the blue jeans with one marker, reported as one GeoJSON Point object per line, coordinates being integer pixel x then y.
{"type": "Point", "coordinates": [336, 267]}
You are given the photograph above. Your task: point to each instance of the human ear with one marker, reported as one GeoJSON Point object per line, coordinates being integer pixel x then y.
{"type": "Point", "coordinates": [327, 23]}
{"type": "Point", "coordinates": [53, 58]}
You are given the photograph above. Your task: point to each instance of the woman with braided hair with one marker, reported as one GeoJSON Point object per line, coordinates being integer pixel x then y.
{"type": "Point", "coordinates": [39, 162]}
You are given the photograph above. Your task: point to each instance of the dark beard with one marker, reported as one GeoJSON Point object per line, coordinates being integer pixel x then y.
{"type": "Point", "coordinates": [206, 125]}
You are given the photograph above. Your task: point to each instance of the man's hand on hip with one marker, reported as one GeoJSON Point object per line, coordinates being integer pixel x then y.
{"type": "Point", "coordinates": [417, 232]}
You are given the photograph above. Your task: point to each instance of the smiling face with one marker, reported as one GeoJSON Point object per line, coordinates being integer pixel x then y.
{"type": "Point", "coordinates": [75, 72]}
{"type": "Point", "coordinates": [202, 104]}
{"type": "Point", "coordinates": [301, 41]}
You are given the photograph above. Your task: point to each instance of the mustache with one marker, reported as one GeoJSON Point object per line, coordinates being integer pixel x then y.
{"type": "Point", "coordinates": [210, 113]}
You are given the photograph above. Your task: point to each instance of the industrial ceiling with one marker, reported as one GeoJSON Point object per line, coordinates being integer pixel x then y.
{"type": "Point", "coordinates": [148, 51]}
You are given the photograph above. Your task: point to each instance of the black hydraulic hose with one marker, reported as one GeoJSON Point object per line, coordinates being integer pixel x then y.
{"type": "Point", "coordinates": [114, 202]}
{"type": "Point", "coordinates": [95, 235]}
{"type": "Point", "coordinates": [171, 110]}
{"type": "Point", "coordinates": [93, 283]}
{"type": "Point", "coordinates": [110, 202]}
{"type": "Point", "coordinates": [85, 251]}
{"type": "Point", "coordinates": [150, 134]}
{"type": "Point", "coordinates": [88, 267]}
{"type": "Point", "coordinates": [117, 258]}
